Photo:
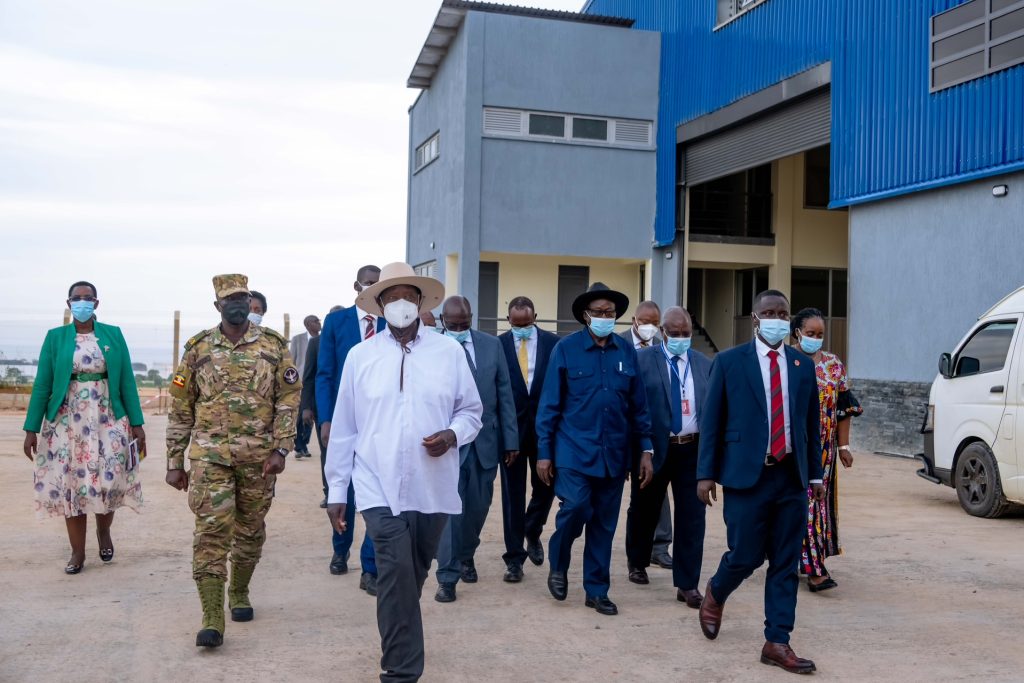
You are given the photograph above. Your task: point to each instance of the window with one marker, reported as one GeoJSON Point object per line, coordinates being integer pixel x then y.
{"type": "Point", "coordinates": [730, 9]}
{"type": "Point", "coordinates": [821, 288]}
{"type": "Point", "coordinates": [428, 151]}
{"type": "Point", "coordinates": [487, 299]}
{"type": "Point", "coordinates": [974, 39]}
{"type": "Point", "coordinates": [590, 129]}
{"type": "Point", "coordinates": [986, 351]}
{"type": "Point", "coordinates": [736, 206]}
{"type": "Point", "coordinates": [553, 127]}
{"type": "Point", "coordinates": [572, 281]}
{"type": "Point", "coordinates": [428, 269]}
{"type": "Point", "coordinates": [816, 178]}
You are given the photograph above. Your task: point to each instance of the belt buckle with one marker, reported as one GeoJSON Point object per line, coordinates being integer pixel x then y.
{"type": "Point", "coordinates": [769, 461]}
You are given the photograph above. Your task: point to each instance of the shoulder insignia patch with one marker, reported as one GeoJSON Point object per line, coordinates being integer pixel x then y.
{"type": "Point", "coordinates": [291, 376]}
{"type": "Point", "coordinates": [179, 380]}
{"type": "Point", "coordinates": [196, 339]}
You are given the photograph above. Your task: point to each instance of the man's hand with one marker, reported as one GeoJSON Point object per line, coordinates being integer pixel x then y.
{"type": "Point", "coordinates": [273, 465]}
{"type": "Point", "coordinates": [819, 491]}
{"type": "Point", "coordinates": [707, 491]}
{"type": "Point", "coordinates": [546, 472]}
{"type": "Point", "coordinates": [31, 445]}
{"type": "Point", "coordinates": [510, 458]}
{"type": "Point", "coordinates": [846, 457]}
{"type": "Point", "coordinates": [325, 432]}
{"type": "Point", "coordinates": [307, 417]}
{"type": "Point", "coordinates": [139, 434]}
{"type": "Point", "coordinates": [646, 469]}
{"type": "Point", "coordinates": [178, 479]}
{"type": "Point", "coordinates": [336, 513]}
{"type": "Point", "coordinates": [440, 443]}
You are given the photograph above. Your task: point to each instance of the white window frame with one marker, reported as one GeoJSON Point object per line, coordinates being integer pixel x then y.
{"type": "Point", "coordinates": [567, 136]}
{"type": "Point", "coordinates": [735, 9]}
{"type": "Point", "coordinates": [428, 152]}
{"type": "Point", "coordinates": [426, 269]}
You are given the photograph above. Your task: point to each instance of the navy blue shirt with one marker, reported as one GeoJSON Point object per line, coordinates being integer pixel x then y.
{"type": "Point", "coordinates": [592, 405]}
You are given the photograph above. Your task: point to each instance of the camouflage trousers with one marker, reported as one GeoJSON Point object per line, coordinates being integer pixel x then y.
{"type": "Point", "coordinates": [230, 504]}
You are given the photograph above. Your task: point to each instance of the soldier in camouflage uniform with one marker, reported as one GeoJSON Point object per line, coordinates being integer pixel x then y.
{"type": "Point", "coordinates": [236, 396]}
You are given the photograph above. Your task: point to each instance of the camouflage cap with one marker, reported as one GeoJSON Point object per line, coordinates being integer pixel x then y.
{"type": "Point", "coordinates": [226, 285]}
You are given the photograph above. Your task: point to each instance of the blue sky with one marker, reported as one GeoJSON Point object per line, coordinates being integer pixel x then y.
{"type": "Point", "coordinates": [147, 146]}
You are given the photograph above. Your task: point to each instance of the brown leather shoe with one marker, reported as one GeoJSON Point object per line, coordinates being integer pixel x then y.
{"type": "Point", "coordinates": [638, 575]}
{"type": "Point", "coordinates": [710, 614]}
{"type": "Point", "coordinates": [692, 598]}
{"type": "Point", "coordinates": [782, 656]}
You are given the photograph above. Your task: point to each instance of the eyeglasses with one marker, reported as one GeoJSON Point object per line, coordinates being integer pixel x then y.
{"type": "Point", "coordinates": [82, 298]}
{"type": "Point", "coordinates": [601, 312]}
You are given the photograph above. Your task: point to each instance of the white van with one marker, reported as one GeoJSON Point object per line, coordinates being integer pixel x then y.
{"type": "Point", "coordinates": [975, 410]}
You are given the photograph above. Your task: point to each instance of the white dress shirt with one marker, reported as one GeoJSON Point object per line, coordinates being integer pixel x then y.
{"type": "Point", "coordinates": [468, 345]}
{"type": "Point", "coordinates": [362, 321]}
{"type": "Point", "coordinates": [690, 424]}
{"type": "Point", "coordinates": [378, 429]}
{"type": "Point", "coordinates": [531, 355]}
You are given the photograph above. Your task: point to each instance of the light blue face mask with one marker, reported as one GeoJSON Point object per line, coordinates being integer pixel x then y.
{"type": "Point", "coordinates": [677, 346]}
{"type": "Point", "coordinates": [810, 345]}
{"type": "Point", "coordinates": [255, 318]}
{"type": "Point", "coordinates": [521, 333]}
{"type": "Point", "coordinates": [82, 310]}
{"type": "Point", "coordinates": [602, 327]}
{"type": "Point", "coordinates": [772, 330]}
{"type": "Point", "coordinates": [458, 336]}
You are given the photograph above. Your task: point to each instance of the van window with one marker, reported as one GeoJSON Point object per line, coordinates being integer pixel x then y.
{"type": "Point", "coordinates": [987, 349]}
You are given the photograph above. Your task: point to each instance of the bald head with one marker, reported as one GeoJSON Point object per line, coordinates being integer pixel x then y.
{"type": "Point", "coordinates": [456, 314]}
{"type": "Point", "coordinates": [676, 322]}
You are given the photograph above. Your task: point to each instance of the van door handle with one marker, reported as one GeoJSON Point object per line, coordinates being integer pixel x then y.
{"type": "Point", "coordinates": [998, 389]}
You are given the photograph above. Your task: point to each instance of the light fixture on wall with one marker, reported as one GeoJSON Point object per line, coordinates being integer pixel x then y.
{"type": "Point", "coordinates": [1000, 190]}
{"type": "Point", "coordinates": [668, 255]}
{"type": "Point", "coordinates": [431, 245]}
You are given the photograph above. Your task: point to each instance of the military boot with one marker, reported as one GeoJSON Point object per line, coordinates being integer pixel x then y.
{"type": "Point", "coordinates": [211, 595]}
{"type": "Point", "coordinates": [238, 593]}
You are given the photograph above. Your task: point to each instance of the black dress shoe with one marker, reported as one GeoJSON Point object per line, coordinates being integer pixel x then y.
{"type": "Point", "coordinates": [602, 605]}
{"type": "Point", "coordinates": [558, 584]}
{"type": "Point", "coordinates": [692, 598]}
{"type": "Point", "coordinates": [469, 572]}
{"type": "Point", "coordinates": [535, 551]}
{"type": "Point", "coordinates": [662, 559]}
{"type": "Point", "coordinates": [445, 592]}
{"type": "Point", "coordinates": [514, 573]}
{"type": "Point", "coordinates": [339, 565]}
{"type": "Point", "coordinates": [209, 637]}
{"type": "Point", "coordinates": [639, 575]}
{"type": "Point", "coordinates": [72, 568]}
{"type": "Point", "coordinates": [241, 614]}
{"type": "Point", "coordinates": [368, 583]}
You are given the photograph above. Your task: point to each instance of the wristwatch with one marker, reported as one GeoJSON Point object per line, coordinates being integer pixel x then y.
{"type": "Point", "coordinates": [283, 452]}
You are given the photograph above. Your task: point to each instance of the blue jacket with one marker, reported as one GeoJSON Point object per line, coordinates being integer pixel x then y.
{"type": "Point", "coordinates": [342, 330]}
{"type": "Point", "coordinates": [655, 375]}
{"type": "Point", "coordinates": [528, 400]}
{"type": "Point", "coordinates": [593, 400]}
{"type": "Point", "coordinates": [734, 419]}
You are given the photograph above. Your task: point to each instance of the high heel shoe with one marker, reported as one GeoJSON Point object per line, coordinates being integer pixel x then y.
{"type": "Point", "coordinates": [106, 554]}
{"type": "Point", "coordinates": [73, 568]}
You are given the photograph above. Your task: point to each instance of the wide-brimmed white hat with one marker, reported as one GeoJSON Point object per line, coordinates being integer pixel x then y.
{"type": "Point", "coordinates": [402, 274]}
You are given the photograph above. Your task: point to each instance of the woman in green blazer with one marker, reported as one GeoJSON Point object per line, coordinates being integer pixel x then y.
{"type": "Point", "coordinates": [81, 422]}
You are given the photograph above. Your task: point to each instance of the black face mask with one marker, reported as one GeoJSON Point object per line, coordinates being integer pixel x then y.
{"type": "Point", "coordinates": [235, 312]}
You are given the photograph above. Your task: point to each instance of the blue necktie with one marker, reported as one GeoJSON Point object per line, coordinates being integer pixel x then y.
{"type": "Point", "coordinates": [677, 397]}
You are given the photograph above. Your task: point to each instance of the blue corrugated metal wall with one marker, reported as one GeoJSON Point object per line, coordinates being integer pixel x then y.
{"type": "Point", "coordinates": [889, 134]}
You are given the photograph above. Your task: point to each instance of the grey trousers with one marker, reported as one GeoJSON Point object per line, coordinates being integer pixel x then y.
{"type": "Point", "coordinates": [405, 547]}
{"type": "Point", "coordinates": [663, 532]}
{"type": "Point", "coordinates": [461, 536]}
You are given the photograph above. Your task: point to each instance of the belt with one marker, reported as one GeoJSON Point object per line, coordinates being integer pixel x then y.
{"type": "Point", "coordinates": [769, 461]}
{"type": "Point", "coordinates": [683, 439]}
{"type": "Point", "coordinates": [88, 376]}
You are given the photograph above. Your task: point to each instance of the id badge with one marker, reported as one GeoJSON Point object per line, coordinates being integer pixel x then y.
{"type": "Point", "coordinates": [686, 406]}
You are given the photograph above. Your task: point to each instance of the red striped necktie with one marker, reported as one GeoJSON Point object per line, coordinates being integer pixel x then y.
{"type": "Point", "coordinates": [778, 442]}
{"type": "Point", "coordinates": [370, 329]}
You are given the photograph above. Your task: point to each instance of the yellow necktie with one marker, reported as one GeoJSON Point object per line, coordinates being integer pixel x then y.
{"type": "Point", "coordinates": [524, 362]}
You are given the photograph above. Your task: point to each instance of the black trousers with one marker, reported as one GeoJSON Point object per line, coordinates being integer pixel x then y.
{"type": "Point", "coordinates": [405, 545]}
{"type": "Point", "coordinates": [522, 521]}
{"type": "Point", "coordinates": [679, 470]}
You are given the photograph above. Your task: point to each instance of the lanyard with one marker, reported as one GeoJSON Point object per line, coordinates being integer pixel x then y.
{"type": "Point", "coordinates": [675, 371]}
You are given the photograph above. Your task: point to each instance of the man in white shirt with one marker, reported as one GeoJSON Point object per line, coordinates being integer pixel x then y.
{"type": "Point", "coordinates": [406, 403]}
{"type": "Point", "coordinates": [299, 345]}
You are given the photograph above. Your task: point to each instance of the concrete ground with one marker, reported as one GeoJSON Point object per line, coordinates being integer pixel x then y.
{"type": "Point", "coordinates": [925, 593]}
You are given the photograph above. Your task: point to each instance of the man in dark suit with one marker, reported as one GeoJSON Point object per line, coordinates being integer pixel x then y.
{"type": "Point", "coordinates": [527, 349]}
{"type": "Point", "coordinates": [307, 405]}
{"type": "Point", "coordinates": [341, 332]}
{"type": "Point", "coordinates": [644, 333]}
{"type": "Point", "coordinates": [299, 347]}
{"type": "Point", "coordinates": [478, 461]}
{"type": "Point", "coordinates": [675, 378]}
{"type": "Point", "coordinates": [760, 439]}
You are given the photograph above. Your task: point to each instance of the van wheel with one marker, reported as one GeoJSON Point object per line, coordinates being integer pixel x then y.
{"type": "Point", "coordinates": [977, 483]}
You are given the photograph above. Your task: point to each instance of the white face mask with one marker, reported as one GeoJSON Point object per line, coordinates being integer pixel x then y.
{"type": "Point", "coordinates": [646, 332]}
{"type": "Point", "coordinates": [400, 314]}
{"type": "Point", "coordinates": [255, 318]}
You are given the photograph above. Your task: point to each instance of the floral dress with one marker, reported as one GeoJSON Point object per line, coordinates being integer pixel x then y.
{"type": "Point", "coordinates": [837, 403]}
{"type": "Point", "coordinates": [80, 465]}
